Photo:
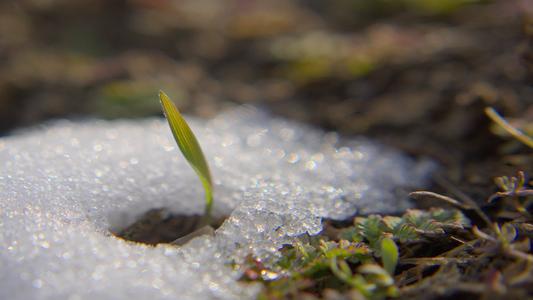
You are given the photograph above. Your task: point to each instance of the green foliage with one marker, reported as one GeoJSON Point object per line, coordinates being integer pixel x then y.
{"type": "Point", "coordinates": [352, 262]}
{"type": "Point", "coordinates": [360, 260]}
{"type": "Point", "coordinates": [412, 226]}
{"type": "Point", "coordinates": [439, 247]}
{"type": "Point", "coordinates": [190, 148]}
{"type": "Point", "coordinates": [319, 263]}
{"type": "Point", "coordinates": [514, 192]}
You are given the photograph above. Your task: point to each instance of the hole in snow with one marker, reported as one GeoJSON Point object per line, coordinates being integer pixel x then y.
{"type": "Point", "coordinates": [159, 225]}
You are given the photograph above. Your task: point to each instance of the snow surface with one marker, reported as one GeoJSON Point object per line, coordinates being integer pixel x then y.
{"type": "Point", "coordinates": [64, 186]}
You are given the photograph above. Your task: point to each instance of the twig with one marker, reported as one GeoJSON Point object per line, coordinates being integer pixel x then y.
{"type": "Point", "coordinates": [518, 254]}
{"type": "Point", "coordinates": [467, 201]}
{"type": "Point", "coordinates": [517, 134]}
{"type": "Point", "coordinates": [435, 260]}
{"type": "Point", "coordinates": [420, 194]}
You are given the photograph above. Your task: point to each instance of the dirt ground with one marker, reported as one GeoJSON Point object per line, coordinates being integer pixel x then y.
{"type": "Point", "coordinates": [413, 74]}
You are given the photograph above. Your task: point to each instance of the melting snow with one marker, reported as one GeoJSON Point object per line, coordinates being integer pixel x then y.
{"type": "Point", "coordinates": [64, 186]}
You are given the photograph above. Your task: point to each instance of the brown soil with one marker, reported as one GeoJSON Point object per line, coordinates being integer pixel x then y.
{"type": "Point", "coordinates": [159, 226]}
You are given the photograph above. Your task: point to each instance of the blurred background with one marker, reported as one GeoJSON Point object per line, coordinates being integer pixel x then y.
{"type": "Point", "coordinates": [412, 73]}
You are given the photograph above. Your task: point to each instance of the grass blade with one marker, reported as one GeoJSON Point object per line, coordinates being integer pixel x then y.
{"type": "Point", "coordinates": [189, 146]}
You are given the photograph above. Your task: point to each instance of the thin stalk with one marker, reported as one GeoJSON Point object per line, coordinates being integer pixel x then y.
{"type": "Point", "coordinates": [517, 134]}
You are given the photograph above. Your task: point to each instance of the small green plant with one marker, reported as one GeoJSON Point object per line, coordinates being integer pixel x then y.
{"type": "Point", "coordinates": [317, 265]}
{"type": "Point", "coordinates": [359, 260]}
{"type": "Point", "coordinates": [413, 226]}
{"type": "Point", "coordinates": [190, 148]}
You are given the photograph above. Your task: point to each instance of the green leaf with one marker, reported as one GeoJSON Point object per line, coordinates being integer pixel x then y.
{"type": "Point", "coordinates": [389, 255]}
{"type": "Point", "coordinates": [371, 228]}
{"type": "Point", "coordinates": [404, 233]}
{"type": "Point", "coordinates": [189, 147]}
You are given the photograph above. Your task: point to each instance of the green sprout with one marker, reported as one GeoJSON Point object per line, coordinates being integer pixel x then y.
{"type": "Point", "coordinates": [190, 148]}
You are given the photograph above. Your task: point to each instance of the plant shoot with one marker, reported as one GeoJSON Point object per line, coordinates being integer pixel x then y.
{"type": "Point", "coordinates": [190, 148]}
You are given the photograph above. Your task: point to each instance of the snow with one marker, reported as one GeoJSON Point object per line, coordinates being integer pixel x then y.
{"type": "Point", "coordinates": [64, 186]}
